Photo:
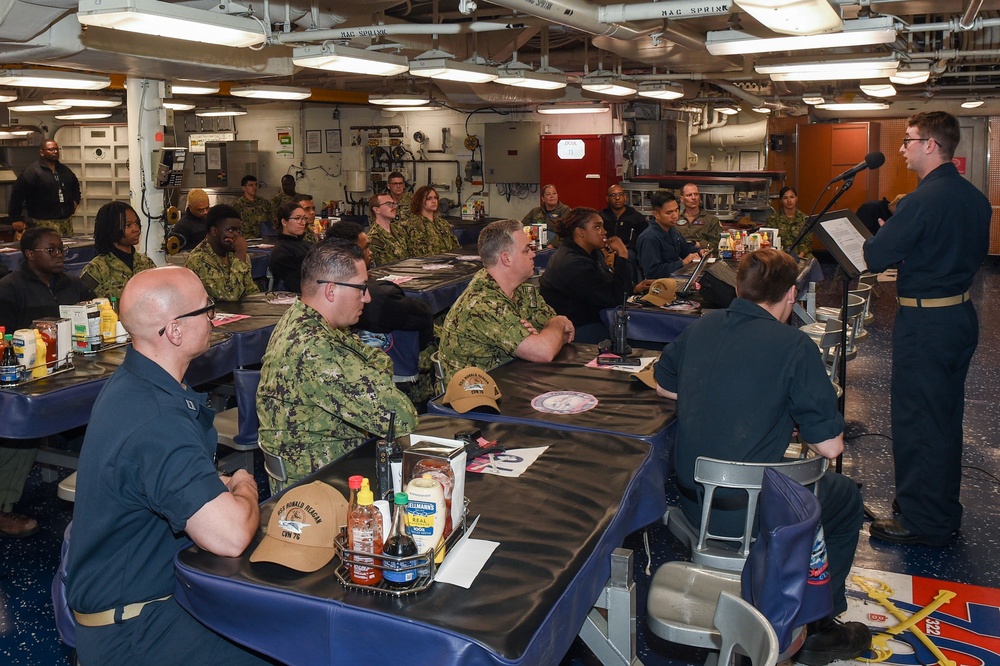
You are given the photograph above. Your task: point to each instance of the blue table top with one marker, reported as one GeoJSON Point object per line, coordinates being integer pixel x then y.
{"type": "Point", "coordinates": [557, 525]}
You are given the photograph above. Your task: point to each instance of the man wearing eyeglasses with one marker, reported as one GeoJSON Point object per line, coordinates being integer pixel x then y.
{"type": "Point", "coordinates": [396, 183]}
{"type": "Point", "coordinates": [620, 219]}
{"type": "Point", "coordinates": [221, 260]}
{"type": "Point", "coordinates": [322, 391]}
{"type": "Point", "coordinates": [388, 238]}
{"type": "Point", "coordinates": [938, 237]}
{"type": "Point", "coordinates": [147, 484]}
{"type": "Point", "coordinates": [49, 190]}
{"type": "Point", "coordinates": [36, 290]}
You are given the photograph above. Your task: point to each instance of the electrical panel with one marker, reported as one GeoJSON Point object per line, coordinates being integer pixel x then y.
{"type": "Point", "coordinates": [169, 165]}
{"type": "Point", "coordinates": [511, 152]}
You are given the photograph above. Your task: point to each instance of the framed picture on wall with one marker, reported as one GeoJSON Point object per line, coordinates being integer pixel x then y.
{"type": "Point", "coordinates": [313, 141]}
{"type": "Point", "coordinates": [749, 160]}
{"type": "Point", "coordinates": [333, 141]}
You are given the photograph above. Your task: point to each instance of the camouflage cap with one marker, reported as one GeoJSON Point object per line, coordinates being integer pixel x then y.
{"type": "Point", "coordinates": [470, 388]}
{"type": "Point", "coordinates": [302, 528]}
{"type": "Point", "coordinates": [661, 292]}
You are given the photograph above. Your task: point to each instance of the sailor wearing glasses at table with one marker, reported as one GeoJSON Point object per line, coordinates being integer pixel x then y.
{"type": "Point", "coordinates": [147, 484]}
{"type": "Point", "coordinates": [221, 260]}
{"type": "Point", "coordinates": [117, 231]}
{"type": "Point", "coordinates": [290, 248]}
{"type": "Point", "coordinates": [36, 290]}
{"type": "Point", "coordinates": [387, 234]}
{"type": "Point", "coordinates": [397, 190]}
{"type": "Point", "coordinates": [620, 219]}
{"type": "Point", "coordinates": [322, 391]}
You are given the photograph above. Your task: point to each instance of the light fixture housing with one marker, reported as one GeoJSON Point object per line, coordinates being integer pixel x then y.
{"type": "Point", "coordinates": [973, 103]}
{"type": "Point", "coordinates": [881, 88]}
{"type": "Point", "coordinates": [853, 106]}
{"type": "Point", "coordinates": [281, 93]}
{"type": "Point", "coordinates": [566, 110]}
{"type": "Point", "coordinates": [87, 101]}
{"type": "Point", "coordinates": [727, 110]}
{"type": "Point", "coordinates": [398, 99]}
{"type": "Point", "coordinates": [339, 58]}
{"type": "Point", "coordinates": [34, 107]}
{"type": "Point", "coordinates": [813, 98]}
{"type": "Point", "coordinates": [429, 107]}
{"type": "Point", "coordinates": [177, 105]}
{"type": "Point", "coordinates": [520, 75]}
{"type": "Point", "coordinates": [661, 90]}
{"type": "Point", "coordinates": [149, 17]}
{"type": "Point", "coordinates": [911, 74]}
{"type": "Point", "coordinates": [8, 96]}
{"type": "Point", "coordinates": [436, 64]}
{"type": "Point", "coordinates": [860, 32]}
{"type": "Point", "coordinates": [761, 109]}
{"type": "Point", "coordinates": [604, 82]}
{"type": "Point", "coordinates": [187, 87]}
{"type": "Point", "coordinates": [804, 69]}
{"type": "Point", "coordinates": [88, 115]}
{"type": "Point", "coordinates": [221, 111]}
{"type": "Point", "coordinates": [50, 78]}
{"type": "Point", "coordinates": [794, 17]}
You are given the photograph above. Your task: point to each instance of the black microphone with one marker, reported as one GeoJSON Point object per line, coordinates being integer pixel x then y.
{"type": "Point", "coordinates": [872, 161]}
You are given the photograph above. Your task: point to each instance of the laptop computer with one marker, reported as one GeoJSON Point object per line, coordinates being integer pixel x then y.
{"type": "Point", "coordinates": [688, 288]}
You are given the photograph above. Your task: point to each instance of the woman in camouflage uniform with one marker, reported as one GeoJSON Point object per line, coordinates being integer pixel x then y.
{"type": "Point", "coordinates": [428, 232]}
{"type": "Point", "coordinates": [117, 230]}
{"type": "Point", "coordinates": [789, 221]}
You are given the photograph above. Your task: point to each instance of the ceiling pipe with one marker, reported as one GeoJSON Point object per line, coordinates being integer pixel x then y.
{"type": "Point", "coordinates": [401, 29]}
{"type": "Point", "coordinates": [577, 14]}
{"type": "Point", "coordinates": [738, 92]}
{"type": "Point", "coordinates": [952, 25]}
{"type": "Point", "coordinates": [969, 16]}
{"type": "Point", "coordinates": [669, 9]}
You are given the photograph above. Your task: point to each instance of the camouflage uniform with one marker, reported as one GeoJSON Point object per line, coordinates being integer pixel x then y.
{"type": "Point", "coordinates": [253, 213]}
{"type": "Point", "coordinates": [402, 209]}
{"type": "Point", "coordinates": [427, 237]}
{"type": "Point", "coordinates": [789, 230]}
{"type": "Point", "coordinates": [539, 215]}
{"type": "Point", "coordinates": [106, 274]}
{"type": "Point", "coordinates": [225, 278]}
{"type": "Point", "coordinates": [64, 226]}
{"type": "Point", "coordinates": [279, 199]}
{"type": "Point", "coordinates": [484, 327]}
{"type": "Point", "coordinates": [704, 229]}
{"type": "Point", "coordinates": [322, 393]}
{"type": "Point", "coordinates": [388, 248]}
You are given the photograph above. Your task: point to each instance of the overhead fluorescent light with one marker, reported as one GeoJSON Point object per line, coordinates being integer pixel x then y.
{"type": "Point", "coordinates": [878, 88]}
{"type": "Point", "coordinates": [397, 99]}
{"type": "Point", "coordinates": [605, 83]}
{"type": "Point", "coordinates": [176, 105]}
{"type": "Point", "coordinates": [911, 74]}
{"type": "Point", "coordinates": [185, 87]}
{"type": "Point", "coordinates": [972, 103]}
{"type": "Point", "coordinates": [436, 64]}
{"type": "Point", "coordinates": [761, 109]}
{"type": "Point", "coordinates": [794, 17]}
{"type": "Point", "coordinates": [429, 107]}
{"type": "Point", "coordinates": [89, 101]}
{"type": "Point", "coordinates": [93, 115]}
{"type": "Point", "coordinates": [258, 91]}
{"type": "Point", "coordinates": [149, 17]}
{"type": "Point", "coordinates": [727, 110]}
{"type": "Point", "coordinates": [26, 107]}
{"type": "Point", "coordinates": [560, 110]}
{"type": "Point", "coordinates": [7, 96]}
{"type": "Point", "coordinates": [861, 32]}
{"type": "Point", "coordinates": [49, 78]}
{"type": "Point", "coordinates": [339, 58]}
{"type": "Point", "coordinates": [853, 106]}
{"type": "Point", "coordinates": [813, 98]}
{"type": "Point", "coordinates": [221, 111]}
{"type": "Point", "coordinates": [661, 90]}
{"type": "Point", "coordinates": [520, 75]}
{"type": "Point", "coordinates": [878, 67]}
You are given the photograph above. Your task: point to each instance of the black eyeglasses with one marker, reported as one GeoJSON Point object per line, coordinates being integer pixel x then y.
{"type": "Point", "coordinates": [616, 194]}
{"type": "Point", "coordinates": [363, 287]}
{"type": "Point", "coordinates": [208, 309]}
{"type": "Point", "coordinates": [53, 251]}
{"type": "Point", "coordinates": [390, 204]}
{"type": "Point", "coordinates": [908, 140]}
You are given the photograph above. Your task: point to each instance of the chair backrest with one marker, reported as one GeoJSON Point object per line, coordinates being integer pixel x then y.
{"type": "Point", "coordinates": [787, 576]}
{"type": "Point", "coordinates": [275, 468]}
{"type": "Point", "coordinates": [716, 550]}
{"type": "Point", "coordinates": [740, 624]}
{"type": "Point", "coordinates": [245, 382]}
{"type": "Point", "coordinates": [830, 345]}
